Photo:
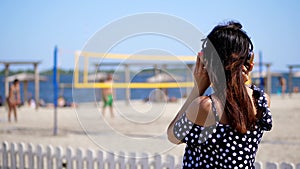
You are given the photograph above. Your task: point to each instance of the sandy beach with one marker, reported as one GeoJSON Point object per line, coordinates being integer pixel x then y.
{"type": "Point", "coordinates": [140, 127]}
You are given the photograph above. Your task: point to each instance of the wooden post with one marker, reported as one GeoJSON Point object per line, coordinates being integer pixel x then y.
{"type": "Point", "coordinates": [25, 91]}
{"type": "Point", "coordinates": [269, 79]}
{"type": "Point", "coordinates": [13, 159]}
{"type": "Point", "coordinates": [188, 78]}
{"type": "Point", "coordinates": [127, 80]}
{"type": "Point", "coordinates": [21, 155]}
{"type": "Point", "coordinates": [39, 156]}
{"type": "Point", "coordinates": [36, 85]}
{"type": "Point", "coordinates": [156, 94]}
{"type": "Point", "coordinates": [30, 155]}
{"type": "Point", "coordinates": [290, 80]}
{"type": "Point", "coordinates": [6, 80]}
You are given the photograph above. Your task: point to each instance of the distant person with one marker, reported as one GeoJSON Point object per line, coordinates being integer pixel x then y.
{"type": "Point", "coordinates": [1, 101]}
{"type": "Point", "coordinates": [282, 84]}
{"type": "Point", "coordinates": [31, 103]}
{"type": "Point", "coordinates": [61, 102]}
{"type": "Point", "coordinates": [13, 99]}
{"type": "Point", "coordinates": [223, 129]}
{"type": "Point", "coordinates": [107, 96]}
{"type": "Point", "coordinates": [42, 103]}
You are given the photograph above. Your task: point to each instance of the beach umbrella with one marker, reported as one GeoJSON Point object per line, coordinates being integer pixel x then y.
{"type": "Point", "coordinates": [164, 77]}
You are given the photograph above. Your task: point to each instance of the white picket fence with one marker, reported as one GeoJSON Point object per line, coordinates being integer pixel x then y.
{"type": "Point", "coordinates": [27, 156]}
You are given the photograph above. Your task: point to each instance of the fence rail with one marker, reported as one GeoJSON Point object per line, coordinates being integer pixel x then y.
{"type": "Point", "coordinates": [28, 156]}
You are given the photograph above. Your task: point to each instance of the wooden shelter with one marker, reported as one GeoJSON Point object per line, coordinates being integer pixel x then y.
{"type": "Point", "coordinates": [25, 78]}
{"type": "Point", "coordinates": [7, 65]}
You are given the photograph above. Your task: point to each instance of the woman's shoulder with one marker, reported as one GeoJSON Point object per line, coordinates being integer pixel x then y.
{"type": "Point", "coordinates": [199, 111]}
{"type": "Point", "coordinates": [260, 95]}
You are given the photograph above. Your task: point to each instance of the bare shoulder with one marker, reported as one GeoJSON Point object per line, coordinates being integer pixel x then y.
{"type": "Point", "coordinates": [199, 111]}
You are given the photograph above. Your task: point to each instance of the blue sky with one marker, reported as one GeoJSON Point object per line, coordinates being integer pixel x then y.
{"type": "Point", "coordinates": [31, 29]}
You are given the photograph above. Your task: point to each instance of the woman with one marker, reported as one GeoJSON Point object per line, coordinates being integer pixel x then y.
{"type": "Point", "coordinates": [13, 99]}
{"type": "Point", "coordinates": [222, 130]}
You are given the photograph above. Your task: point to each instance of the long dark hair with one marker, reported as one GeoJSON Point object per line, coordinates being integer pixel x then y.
{"type": "Point", "coordinates": [225, 50]}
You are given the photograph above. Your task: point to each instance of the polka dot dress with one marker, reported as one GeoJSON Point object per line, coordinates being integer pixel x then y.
{"type": "Point", "coordinates": [220, 146]}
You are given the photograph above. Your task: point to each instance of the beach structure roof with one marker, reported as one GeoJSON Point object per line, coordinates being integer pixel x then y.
{"type": "Point", "coordinates": [99, 76]}
{"type": "Point", "coordinates": [25, 77]}
{"type": "Point", "coordinates": [264, 74]}
{"type": "Point", "coordinates": [296, 74]}
{"type": "Point", "coordinates": [164, 77]}
{"type": "Point", "coordinates": [35, 64]}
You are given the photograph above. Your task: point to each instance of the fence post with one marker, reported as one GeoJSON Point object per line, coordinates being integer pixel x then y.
{"type": "Point", "coordinates": [157, 161]}
{"type": "Point", "coordinates": [144, 161]}
{"type": "Point", "coordinates": [58, 157]}
{"type": "Point", "coordinates": [21, 155]}
{"type": "Point", "coordinates": [132, 160]}
{"type": "Point", "coordinates": [5, 154]}
{"type": "Point", "coordinates": [79, 159]}
{"type": "Point", "coordinates": [179, 162]}
{"type": "Point", "coordinates": [39, 156]}
{"type": "Point", "coordinates": [13, 156]}
{"type": "Point", "coordinates": [49, 157]}
{"type": "Point", "coordinates": [271, 165]}
{"type": "Point", "coordinates": [170, 162]}
{"type": "Point", "coordinates": [121, 160]}
{"type": "Point", "coordinates": [90, 159]}
{"type": "Point", "coordinates": [69, 162]}
{"type": "Point", "coordinates": [110, 160]}
{"type": "Point", "coordinates": [100, 160]}
{"type": "Point", "coordinates": [285, 165]}
{"type": "Point", "coordinates": [258, 165]}
{"type": "Point", "coordinates": [30, 156]}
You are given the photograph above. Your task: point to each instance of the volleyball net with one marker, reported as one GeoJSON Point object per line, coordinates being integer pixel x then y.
{"type": "Point", "coordinates": [83, 61]}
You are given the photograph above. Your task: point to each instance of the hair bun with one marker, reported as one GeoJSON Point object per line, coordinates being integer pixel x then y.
{"type": "Point", "coordinates": [234, 25]}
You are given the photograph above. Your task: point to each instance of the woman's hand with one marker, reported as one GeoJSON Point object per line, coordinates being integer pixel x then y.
{"type": "Point", "coordinates": [202, 81]}
{"type": "Point", "coordinates": [245, 72]}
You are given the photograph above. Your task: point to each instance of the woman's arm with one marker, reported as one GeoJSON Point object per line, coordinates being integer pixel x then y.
{"type": "Point", "coordinates": [201, 84]}
{"type": "Point", "coordinates": [18, 95]}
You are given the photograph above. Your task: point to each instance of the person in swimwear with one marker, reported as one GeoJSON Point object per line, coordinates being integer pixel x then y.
{"type": "Point", "coordinates": [107, 96]}
{"type": "Point", "coordinates": [13, 99]}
